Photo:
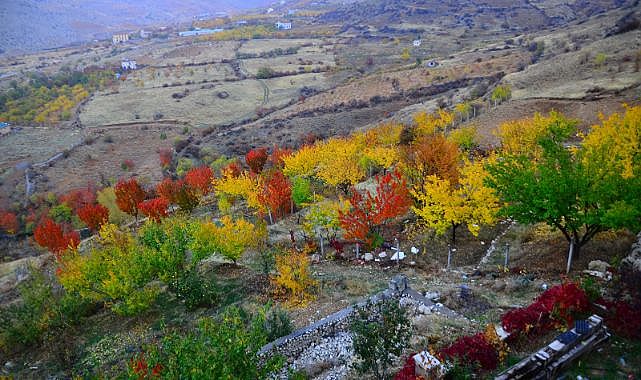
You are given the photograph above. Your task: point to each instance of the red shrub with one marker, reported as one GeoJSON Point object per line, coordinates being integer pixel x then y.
{"type": "Point", "coordinates": [140, 368]}
{"type": "Point", "coordinates": [559, 304]}
{"type": "Point", "coordinates": [186, 198]}
{"type": "Point", "coordinates": [278, 155]}
{"type": "Point", "coordinates": [127, 165]}
{"type": "Point", "coordinates": [9, 222]}
{"type": "Point", "coordinates": [474, 350]}
{"type": "Point", "coordinates": [94, 215]}
{"type": "Point", "coordinates": [623, 318]}
{"type": "Point", "coordinates": [408, 372]}
{"type": "Point", "coordinates": [128, 195]}
{"type": "Point", "coordinates": [155, 209]}
{"type": "Point", "coordinates": [233, 169]}
{"type": "Point", "coordinates": [200, 179]}
{"type": "Point", "coordinates": [256, 159]}
{"type": "Point", "coordinates": [50, 235]}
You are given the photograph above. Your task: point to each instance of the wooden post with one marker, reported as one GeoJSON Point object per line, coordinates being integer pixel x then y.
{"type": "Point", "coordinates": [357, 251]}
{"type": "Point", "coordinates": [398, 252]}
{"type": "Point", "coordinates": [567, 269]}
{"type": "Point", "coordinates": [449, 256]}
{"type": "Point", "coordinates": [322, 247]}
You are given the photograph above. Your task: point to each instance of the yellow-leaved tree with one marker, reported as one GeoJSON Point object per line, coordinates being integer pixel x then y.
{"type": "Point", "coordinates": [227, 237]}
{"type": "Point", "coordinates": [443, 205]}
{"type": "Point", "coordinates": [522, 136]}
{"type": "Point", "coordinates": [229, 189]}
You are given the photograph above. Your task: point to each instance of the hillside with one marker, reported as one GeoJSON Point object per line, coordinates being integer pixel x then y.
{"type": "Point", "coordinates": [29, 25]}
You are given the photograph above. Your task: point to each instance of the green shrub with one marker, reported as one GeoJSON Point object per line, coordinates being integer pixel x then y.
{"type": "Point", "coordinates": [380, 333]}
{"type": "Point", "coordinates": [265, 73]}
{"type": "Point", "coordinates": [277, 324]}
{"type": "Point", "coordinates": [301, 191]}
{"type": "Point", "coordinates": [194, 290]}
{"type": "Point", "coordinates": [184, 164]}
{"type": "Point", "coordinates": [60, 213]}
{"type": "Point", "coordinates": [221, 348]}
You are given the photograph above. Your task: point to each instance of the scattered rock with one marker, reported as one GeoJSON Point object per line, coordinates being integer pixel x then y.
{"type": "Point", "coordinates": [499, 285]}
{"type": "Point", "coordinates": [599, 266]}
{"type": "Point", "coordinates": [398, 256]}
{"type": "Point", "coordinates": [315, 258]}
{"type": "Point", "coordinates": [223, 95]}
{"type": "Point", "coordinates": [382, 255]}
{"type": "Point", "coordinates": [368, 256]}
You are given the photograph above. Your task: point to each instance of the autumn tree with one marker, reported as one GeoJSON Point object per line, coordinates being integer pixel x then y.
{"type": "Point", "coordinates": [431, 155]}
{"type": "Point", "coordinates": [228, 238]}
{"type": "Point", "coordinates": [50, 235]}
{"type": "Point", "coordinates": [79, 198]}
{"type": "Point", "coordinates": [277, 157]}
{"type": "Point", "coordinates": [168, 189]}
{"type": "Point", "coordinates": [165, 155]}
{"type": "Point", "coordinates": [294, 279]}
{"type": "Point", "coordinates": [256, 159]}
{"type": "Point", "coordinates": [94, 216]}
{"type": "Point", "coordinates": [200, 179]}
{"type": "Point", "coordinates": [369, 211]}
{"type": "Point", "coordinates": [129, 194]}
{"type": "Point", "coordinates": [9, 222]}
{"type": "Point", "coordinates": [579, 190]}
{"type": "Point", "coordinates": [442, 205]}
{"type": "Point", "coordinates": [155, 209]}
{"type": "Point", "coordinates": [187, 198]}
{"type": "Point", "coordinates": [277, 195]}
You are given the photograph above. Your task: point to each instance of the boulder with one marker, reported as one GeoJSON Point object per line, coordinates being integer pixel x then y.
{"type": "Point", "coordinates": [368, 256]}
{"type": "Point", "coordinates": [599, 266]}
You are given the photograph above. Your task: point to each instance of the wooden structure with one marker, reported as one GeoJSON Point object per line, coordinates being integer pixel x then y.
{"type": "Point", "coordinates": [551, 360]}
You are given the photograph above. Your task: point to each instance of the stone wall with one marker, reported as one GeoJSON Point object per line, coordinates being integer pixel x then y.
{"type": "Point", "coordinates": [292, 345]}
{"type": "Point", "coordinates": [631, 266]}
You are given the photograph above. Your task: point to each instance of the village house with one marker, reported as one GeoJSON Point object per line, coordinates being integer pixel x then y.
{"type": "Point", "coordinates": [417, 43]}
{"type": "Point", "coordinates": [128, 64]}
{"type": "Point", "coordinates": [120, 38]}
{"type": "Point", "coordinates": [283, 25]}
{"type": "Point", "coordinates": [5, 128]}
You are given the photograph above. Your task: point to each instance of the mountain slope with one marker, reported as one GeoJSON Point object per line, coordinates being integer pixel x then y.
{"type": "Point", "coordinates": [29, 25]}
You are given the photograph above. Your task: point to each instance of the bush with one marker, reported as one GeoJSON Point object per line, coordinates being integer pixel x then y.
{"type": "Point", "coordinates": [222, 348]}
{"type": "Point", "coordinates": [194, 290]}
{"type": "Point", "coordinates": [474, 350]}
{"type": "Point", "coordinates": [265, 73]}
{"type": "Point", "coordinates": [301, 191]}
{"type": "Point", "coordinates": [277, 324]}
{"type": "Point", "coordinates": [380, 333]}
{"type": "Point", "coordinates": [294, 279]}
{"type": "Point", "coordinates": [60, 213]}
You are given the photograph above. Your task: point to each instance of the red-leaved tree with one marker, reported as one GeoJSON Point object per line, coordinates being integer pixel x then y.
{"type": "Point", "coordinates": [9, 222]}
{"type": "Point", "coordinates": [168, 189]}
{"type": "Point", "coordinates": [200, 179]}
{"type": "Point", "coordinates": [232, 170]}
{"type": "Point", "coordinates": [165, 156]}
{"type": "Point", "coordinates": [129, 194]}
{"type": "Point", "coordinates": [277, 194]}
{"type": "Point", "coordinates": [369, 212]}
{"type": "Point", "coordinates": [94, 215]}
{"type": "Point", "coordinates": [187, 198]}
{"type": "Point", "coordinates": [155, 209]}
{"type": "Point", "coordinates": [79, 198]}
{"type": "Point", "coordinates": [50, 235]}
{"type": "Point", "coordinates": [256, 159]}
{"type": "Point", "coordinates": [278, 156]}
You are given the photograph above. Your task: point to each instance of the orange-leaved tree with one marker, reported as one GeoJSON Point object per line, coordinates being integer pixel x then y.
{"type": "Point", "coordinates": [155, 209]}
{"type": "Point", "coordinates": [78, 198]}
{"type": "Point", "coordinates": [129, 194]}
{"type": "Point", "coordinates": [256, 159]}
{"type": "Point", "coordinates": [50, 235]}
{"type": "Point", "coordinates": [368, 212]}
{"type": "Point", "coordinates": [431, 155]}
{"type": "Point", "coordinates": [94, 215]}
{"type": "Point", "coordinates": [277, 158]}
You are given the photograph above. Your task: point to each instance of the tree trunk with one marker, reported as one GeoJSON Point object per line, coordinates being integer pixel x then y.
{"type": "Point", "coordinates": [454, 227]}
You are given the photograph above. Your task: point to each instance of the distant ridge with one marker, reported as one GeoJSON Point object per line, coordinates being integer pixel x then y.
{"type": "Point", "coordinates": [31, 25]}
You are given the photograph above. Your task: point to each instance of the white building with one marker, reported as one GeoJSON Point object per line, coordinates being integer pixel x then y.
{"type": "Point", "coordinates": [128, 64]}
{"type": "Point", "coordinates": [120, 38]}
{"type": "Point", "coordinates": [199, 32]}
{"type": "Point", "coordinates": [417, 43]}
{"type": "Point", "coordinates": [283, 25]}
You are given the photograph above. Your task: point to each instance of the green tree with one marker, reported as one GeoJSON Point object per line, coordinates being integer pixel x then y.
{"type": "Point", "coordinates": [567, 187]}
{"type": "Point", "coordinates": [380, 333]}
